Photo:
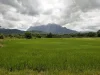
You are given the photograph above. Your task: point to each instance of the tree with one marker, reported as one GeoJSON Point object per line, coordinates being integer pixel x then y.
{"type": "Point", "coordinates": [49, 35]}
{"type": "Point", "coordinates": [1, 36]}
{"type": "Point", "coordinates": [91, 34]}
{"type": "Point", "coordinates": [38, 35]}
{"type": "Point", "coordinates": [80, 35]}
{"type": "Point", "coordinates": [28, 35]}
{"type": "Point", "coordinates": [98, 33]}
{"type": "Point", "coordinates": [11, 35]}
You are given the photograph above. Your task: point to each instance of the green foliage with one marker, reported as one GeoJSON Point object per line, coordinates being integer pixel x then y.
{"type": "Point", "coordinates": [50, 35]}
{"type": "Point", "coordinates": [74, 55]}
{"type": "Point", "coordinates": [19, 36]}
{"type": "Point", "coordinates": [2, 36]}
{"type": "Point", "coordinates": [38, 35]}
{"type": "Point", "coordinates": [98, 33]}
{"type": "Point", "coordinates": [11, 35]}
{"type": "Point", "coordinates": [28, 35]}
{"type": "Point", "coordinates": [80, 35]}
{"type": "Point", "coordinates": [91, 34]}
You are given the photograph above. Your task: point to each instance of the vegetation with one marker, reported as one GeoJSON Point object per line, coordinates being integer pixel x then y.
{"type": "Point", "coordinates": [38, 35]}
{"type": "Point", "coordinates": [49, 35]}
{"type": "Point", "coordinates": [98, 33]}
{"type": "Point", "coordinates": [50, 56]}
{"type": "Point", "coordinates": [28, 35]}
{"type": "Point", "coordinates": [1, 36]}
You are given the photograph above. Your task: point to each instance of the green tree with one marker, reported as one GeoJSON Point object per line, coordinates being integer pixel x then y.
{"type": "Point", "coordinates": [28, 35]}
{"type": "Point", "coordinates": [38, 35]}
{"type": "Point", "coordinates": [91, 34]}
{"type": "Point", "coordinates": [1, 36]}
{"type": "Point", "coordinates": [98, 33]}
{"type": "Point", "coordinates": [50, 35]}
{"type": "Point", "coordinates": [11, 35]}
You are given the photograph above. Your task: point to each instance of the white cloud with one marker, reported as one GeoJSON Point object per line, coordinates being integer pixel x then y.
{"type": "Point", "coordinates": [81, 15]}
{"type": "Point", "coordinates": [88, 21]}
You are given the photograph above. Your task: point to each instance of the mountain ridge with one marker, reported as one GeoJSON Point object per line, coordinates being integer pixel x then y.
{"type": "Point", "coordinates": [11, 31]}
{"type": "Point", "coordinates": [52, 28]}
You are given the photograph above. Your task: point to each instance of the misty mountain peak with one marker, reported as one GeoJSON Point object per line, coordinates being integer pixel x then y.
{"type": "Point", "coordinates": [53, 28]}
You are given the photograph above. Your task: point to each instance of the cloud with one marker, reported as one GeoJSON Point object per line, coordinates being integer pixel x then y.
{"type": "Point", "coordinates": [86, 5]}
{"type": "Point", "coordinates": [80, 15]}
{"type": "Point", "coordinates": [23, 6]}
{"type": "Point", "coordinates": [84, 15]}
{"type": "Point", "coordinates": [13, 14]}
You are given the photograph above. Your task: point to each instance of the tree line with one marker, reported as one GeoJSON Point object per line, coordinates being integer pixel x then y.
{"type": "Point", "coordinates": [30, 35]}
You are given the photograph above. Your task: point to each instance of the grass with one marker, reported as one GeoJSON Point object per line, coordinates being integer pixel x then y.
{"type": "Point", "coordinates": [73, 56]}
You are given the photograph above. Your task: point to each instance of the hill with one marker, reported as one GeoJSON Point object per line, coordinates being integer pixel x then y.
{"type": "Point", "coordinates": [53, 28]}
{"type": "Point", "coordinates": [11, 31]}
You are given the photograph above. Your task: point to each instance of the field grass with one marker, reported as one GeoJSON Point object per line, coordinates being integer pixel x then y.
{"type": "Point", "coordinates": [73, 56]}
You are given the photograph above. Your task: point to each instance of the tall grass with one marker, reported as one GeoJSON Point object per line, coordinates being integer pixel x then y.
{"type": "Point", "coordinates": [72, 55]}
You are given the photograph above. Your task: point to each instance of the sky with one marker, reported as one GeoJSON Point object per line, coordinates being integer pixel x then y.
{"type": "Point", "coordinates": [80, 15]}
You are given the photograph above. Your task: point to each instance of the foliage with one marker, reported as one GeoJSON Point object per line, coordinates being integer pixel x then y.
{"type": "Point", "coordinates": [38, 36]}
{"type": "Point", "coordinates": [11, 35]}
{"type": "Point", "coordinates": [98, 33]}
{"type": "Point", "coordinates": [1, 36]}
{"type": "Point", "coordinates": [50, 35]}
{"type": "Point", "coordinates": [91, 34]}
{"type": "Point", "coordinates": [74, 55]}
{"type": "Point", "coordinates": [28, 35]}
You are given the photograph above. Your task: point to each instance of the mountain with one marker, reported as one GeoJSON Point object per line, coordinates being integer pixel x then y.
{"type": "Point", "coordinates": [10, 31]}
{"type": "Point", "coordinates": [53, 28]}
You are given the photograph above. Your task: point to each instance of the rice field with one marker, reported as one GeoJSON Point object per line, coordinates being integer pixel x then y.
{"type": "Point", "coordinates": [71, 56]}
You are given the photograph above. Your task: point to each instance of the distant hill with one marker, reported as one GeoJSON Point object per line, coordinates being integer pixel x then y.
{"type": "Point", "coordinates": [10, 31]}
{"type": "Point", "coordinates": [16, 31]}
{"type": "Point", "coordinates": [53, 28]}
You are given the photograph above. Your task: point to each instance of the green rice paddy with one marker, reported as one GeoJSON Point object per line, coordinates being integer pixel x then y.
{"type": "Point", "coordinates": [72, 56]}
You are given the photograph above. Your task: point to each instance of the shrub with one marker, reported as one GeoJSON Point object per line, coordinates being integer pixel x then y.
{"type": "Point", "coordinates": [38, 36]}
{"type": "Point", "coordinates": [11, 35]}
{"type": "Point", "coordinates": [91, 34]}
{"type": "Point", "coordinates": [98, 33]}
{"type": "Point", "coordinates": [28, 35]}
{"type": "Point", "coordinates": [1, 36]}
{"type": "Point", "coordinates": [49, 35]}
